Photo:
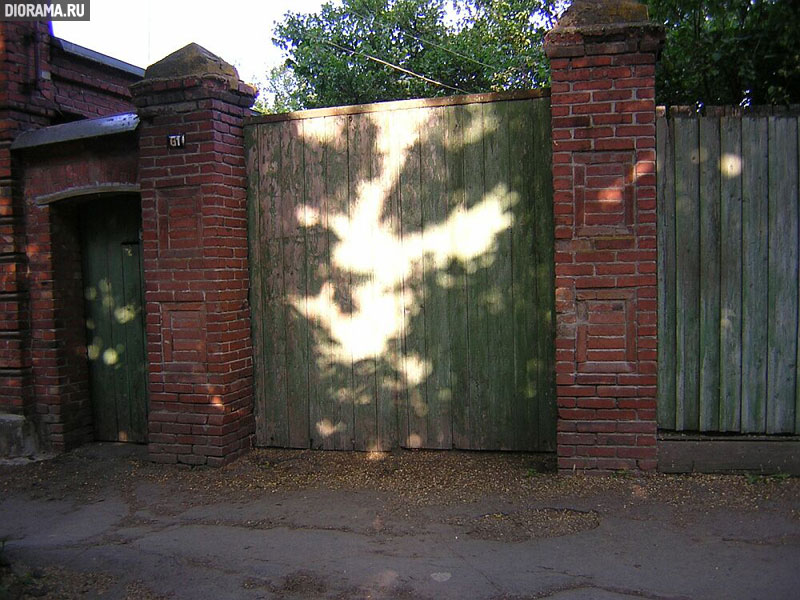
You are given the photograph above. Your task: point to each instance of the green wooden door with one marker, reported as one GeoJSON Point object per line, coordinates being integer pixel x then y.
{"type": "Point", "coordinates": [114, 319]}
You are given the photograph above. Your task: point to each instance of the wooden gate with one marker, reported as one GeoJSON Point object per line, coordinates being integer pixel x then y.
{"type": "Point", "coordinates": [728, 274]}
{"type": "Point", "coordinates": [114, 319]}
{"type": "Point", "coordinates": [402, 275]}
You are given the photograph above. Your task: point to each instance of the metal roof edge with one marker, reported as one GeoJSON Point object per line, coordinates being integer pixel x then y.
{"type": "Point", "coordinates": [76, 130]}
{"type": "Point", "coordinates": [99, 57]}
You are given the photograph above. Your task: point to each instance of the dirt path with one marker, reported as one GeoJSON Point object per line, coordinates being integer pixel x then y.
{"type": "Point", "coordinates": [102, 522]}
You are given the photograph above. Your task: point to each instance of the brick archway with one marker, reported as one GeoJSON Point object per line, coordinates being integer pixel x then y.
{"type": "Point", "coordinates": [56, 178]}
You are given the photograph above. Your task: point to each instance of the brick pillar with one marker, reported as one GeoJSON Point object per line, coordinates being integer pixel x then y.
{"type": "Point", "coordinates": [25, 94]}
{"type": "Point", "coordinates": [603, 56]}
{"type": "Point", "coordinates": [38, 376]}
{"type": "Point", "coordinates": [195, 258]}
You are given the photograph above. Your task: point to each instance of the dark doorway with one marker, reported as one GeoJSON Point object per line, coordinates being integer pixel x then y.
{"type": "Point", "coordinates": [112, 276]}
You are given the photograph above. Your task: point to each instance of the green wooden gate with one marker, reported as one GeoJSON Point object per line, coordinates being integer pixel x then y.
{"type": "Point", "coordinates": [728, 274]}
{"type": "Point", "coordinates": [115, 327]}
{"type": "Point", "coordinates": [402, 275]}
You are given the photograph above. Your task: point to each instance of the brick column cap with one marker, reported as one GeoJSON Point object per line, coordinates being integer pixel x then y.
{"type": "Point", "coordinates": [602, 20]}
{"type": "Point", "coordinates": [191, 67]}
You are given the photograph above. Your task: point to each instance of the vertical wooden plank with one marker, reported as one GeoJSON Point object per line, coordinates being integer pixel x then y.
{"type": "Point", "coordinates": [132, 320]}
{"type": "Point", "coordinates": [523, 169]}
{"type": "Point", "coordinates": [456, 119]}
{"type": "Point", "coordinates": [687, 239]}
{"type": "Point", "coordinates": [478, 425]}
{"type": "Point", "coordinates": [709, 273]}
{"type": "Point", "coordinates": [414, 360]}
{"type": "Point", "coordinates": [498, 298]}
{"type": "Point", "coordinates": [384, 174]}
{"type": "Point", "coordinates": [797, 361]}
{"type": "Point", "coordinates": [113, 358]}
{"type": "Point", "coordinates": [544, 259]}
{"type": "Point", "coordinates": [399, 129]}
{"type": "Point", "coordinates": [341, 378]}
{"type": "Point", "coordinates": [731, 274]}
{"type": "Point", "coordinates": [315, 146]}
{"type": "Point", "coordinates": [755, 211]}
{"type": "Point", "coordinates": [131, 317]}
{"type": "Point", "coordinates": [269, 154]}
{"type": "Point", "coordinates": [276, 418]}
{"type": "Point", "coordinates": [782, 300]}
{"type": "Point", "coordinates": [667, 343]}
{"type": "Point", "coordinates": [294, 261]}
{"type": "Point", "coordinates": [256, 296]}
{"type": "Point", "coordinates": [115, 333]}
{"type": "Point", "coordinates": [272, 423]}
{"type": "Point", "coordinates": [437, 331]}
{"type": "Point", "coordinates": [362, 138]}
{"type": "Point", "coordinates": [98, 304]}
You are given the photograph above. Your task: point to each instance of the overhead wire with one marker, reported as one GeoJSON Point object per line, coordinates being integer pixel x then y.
{"type": "Point", "coordinates": [393, 66]}
{"type": "Point", "coordinates": [424, 41]}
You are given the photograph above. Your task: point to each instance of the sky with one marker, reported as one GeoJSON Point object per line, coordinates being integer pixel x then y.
{"type": "Point", "coordinates": [145, 31]}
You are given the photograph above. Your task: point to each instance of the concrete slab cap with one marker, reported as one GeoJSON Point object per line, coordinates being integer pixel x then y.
{"type": "Point", "coordinates": [192, 61]}
{"type": "Point", "coordinates": [588, 13]}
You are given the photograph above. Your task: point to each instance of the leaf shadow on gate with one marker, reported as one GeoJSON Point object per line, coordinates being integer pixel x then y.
{"type": "Point", "coordinates": [396, 231]}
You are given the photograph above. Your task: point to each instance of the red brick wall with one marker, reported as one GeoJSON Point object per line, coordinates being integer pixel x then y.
{"type": "Point", "coordinates": [41, 84]}
{"type": "Point", "coordinates": [80, 165]}
{"type": "Point", "coordinates": [22, 107]}
{"type": "Point", "coordinates": [58, 372]}
{"type": "Point", "coordinates": [603, 118]}
{"type": "Point", "coordinates": [87, 88]}
{"type": "Point", "coordinates": [58, 345]}
{"type": "Point", "coordinates": [195, 262]}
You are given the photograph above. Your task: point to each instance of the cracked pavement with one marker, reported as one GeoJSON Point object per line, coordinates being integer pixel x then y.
{"type": "Point", "coordinates": [155, 528]}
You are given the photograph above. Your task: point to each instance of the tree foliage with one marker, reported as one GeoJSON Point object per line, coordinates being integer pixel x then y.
{"type": "Point", "coordinates": [729, 51]}
{"type": "Point", "coordinates": [279, 87]}
{"type": "Point", "coordinates": [350, 53]}
{"type": "Point", "coordinates": [356, 51]}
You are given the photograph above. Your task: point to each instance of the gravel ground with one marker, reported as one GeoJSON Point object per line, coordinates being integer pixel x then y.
{"type": "Point", "coordinates": [20, 582]}
{"type": "Point", "coordinates": [421, 478]}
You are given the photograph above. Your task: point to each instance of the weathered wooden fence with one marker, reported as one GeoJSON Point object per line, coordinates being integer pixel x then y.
{"type": "Point", "coordinates": [402, 275]}
{"type": "Point", "coordinates": [728, 273]}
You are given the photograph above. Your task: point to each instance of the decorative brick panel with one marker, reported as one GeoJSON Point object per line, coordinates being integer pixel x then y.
{"type": "Point", "coordinates": [603, 119]}
{"type": "Point", "coordinates": [180, 223]}
{"type": "Point", "coordinates": [183, 331]}
{"type": "Point", "coordinates": [606, 331]}
{"type": "Point", "coordinates": [603, 191]}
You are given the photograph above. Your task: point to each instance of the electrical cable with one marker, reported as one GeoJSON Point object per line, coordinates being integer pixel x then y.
{"type": "Point", "coordinates": [392, 65]}
{"type": "Point", "coordinates": [424, 41]}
